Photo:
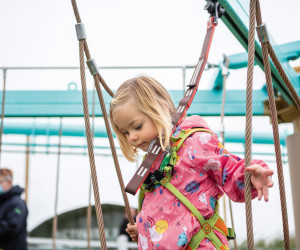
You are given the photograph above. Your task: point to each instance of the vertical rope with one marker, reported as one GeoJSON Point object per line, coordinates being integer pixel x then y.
{"type": "Point", "coordinates": [54, 225]}
{"type": "Point", "coordinates": [2, 112]}
{"type": "Point", "coordinates": [232, 224]}
{"type": "Point", "coordinates": [273, 115]}
{"type": "Point", "coordinates": [27, 168]}
{"type": "Point", "coordinates": [222, 132]}
{"type": "Point", "coordinates": [222, 135]}
{"type": "Point", "coordinates": [248, 132]}
{"type": "Point", "coordinates": [90, 148]}
{"type": "Point", "coordinates": [89, 208]}
{"type": "Point", "coordinates": [98, 78]}
{"type": "Point", "coordinates": [84, 48]}
{"type": "Point", "coordinates": [113, 150]}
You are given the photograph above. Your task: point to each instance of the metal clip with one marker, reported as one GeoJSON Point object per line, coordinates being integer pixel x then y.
{"type": "Point", "coordinates": [92, 66]}
{"type": "Point", "coordinates": [80, 31]}
{"type": "Point", "coordinates": [224, 70]}
{"type": "Point", "coordinates": [262, 33]}
{"type": "Point", "coordinates": [221, 137]}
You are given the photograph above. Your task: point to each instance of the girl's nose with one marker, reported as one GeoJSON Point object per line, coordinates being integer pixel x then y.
{"type": "Point", "coordinates": [132, 137]}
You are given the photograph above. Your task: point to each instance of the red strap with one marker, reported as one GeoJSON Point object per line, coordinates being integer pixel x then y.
{"type": "Point", "coordinates": [155, 151]}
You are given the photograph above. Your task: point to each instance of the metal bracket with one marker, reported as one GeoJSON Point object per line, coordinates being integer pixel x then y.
{"type": "Point", "coordinates": [92, 66]}
{"type": "Point", "coordinates": [80, 31]}
{"type": "Point", "coordinates": [262, 33]}
{"type": "Point", "coordinates": [215, 9]}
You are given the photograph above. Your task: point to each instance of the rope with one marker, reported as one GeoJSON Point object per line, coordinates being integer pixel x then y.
{"type": "Point", "coordinates": [283, 75]}
{"type": "Point", "coordinates": [248, 132]}
{"type": "Point", "coordinates": [54, 225]}
{"type": "Point", "coordinates": [2, 112]}
{"type": "Point", "coordinates": [89, 208]}
{"type": "Point", "coordinates": [86, 49]}
{"type": "Point", "coordinates": [222, 135]}
{"type": "Point", "coordinates": [232, 224]}
{"type": "Point", "coordinates": [273, 115]}
{"type": "Point", "coordinates": [97, 79]}
{"type": "Point", "coordinates": [90, 148]}
{"type": "Point", "coordinates": [89, 217]}
{"type": "Point", "coordinates": [113, 150]}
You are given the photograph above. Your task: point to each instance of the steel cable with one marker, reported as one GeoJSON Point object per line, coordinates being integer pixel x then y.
{"type": "Point", "coordinates": [273, 115]}
{"type": "Point", "coordinates": [2, 112]}
{"type": "Point", "coordinates": [248, 129]}
{"type": "Point", "coordinates": [97, 79]}
{"type": "Point", "coordinates": [98, 208]}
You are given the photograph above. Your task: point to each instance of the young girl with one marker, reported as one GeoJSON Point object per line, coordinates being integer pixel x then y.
{"type": "Point", "coordinates": [141, 111]}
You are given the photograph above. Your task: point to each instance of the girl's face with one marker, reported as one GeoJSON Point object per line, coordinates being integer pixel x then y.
{"type": "Point", "coordinates": [138, 128]}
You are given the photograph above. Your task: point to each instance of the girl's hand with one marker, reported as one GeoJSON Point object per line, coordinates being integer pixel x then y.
{"type": "Point", "coordinates": [260, 180]}
{"type": "Point", "coordinates": [132, 231]}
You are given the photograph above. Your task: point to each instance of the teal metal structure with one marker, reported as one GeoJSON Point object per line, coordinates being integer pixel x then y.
{"type": "Point", "coordinates": [206, 102]}
{"type": "Point", "coordinates": [69, 103]}
{"type": "Point", "coordinates": [52, 129]}
{"type": "Point", "coordinates": [236, 18]}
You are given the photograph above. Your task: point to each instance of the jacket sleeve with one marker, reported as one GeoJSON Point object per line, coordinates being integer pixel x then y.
{"type": "Point", "coordinates": [13, 220]}
{"type": "Point", "coordinates": [227, 170]}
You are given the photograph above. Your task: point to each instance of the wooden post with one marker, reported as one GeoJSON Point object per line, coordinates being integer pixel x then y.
{"type": "Point", "coordinates": [293, 145]}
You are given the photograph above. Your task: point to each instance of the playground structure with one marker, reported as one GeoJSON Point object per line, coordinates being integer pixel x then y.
{"type": "Point", "coordinates": [236, 98]}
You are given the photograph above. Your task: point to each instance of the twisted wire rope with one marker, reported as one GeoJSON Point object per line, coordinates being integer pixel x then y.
{"type": "Point", "coordinates": [248, 129]}
{"type": "Point", "coordinates": [274, 120]}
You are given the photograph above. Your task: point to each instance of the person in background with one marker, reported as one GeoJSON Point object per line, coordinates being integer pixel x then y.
{"type": "Point", "coordinates": [13, 214]}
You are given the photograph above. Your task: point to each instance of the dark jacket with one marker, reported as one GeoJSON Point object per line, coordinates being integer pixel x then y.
{"type": "Point", "coordinates": [13, 215]}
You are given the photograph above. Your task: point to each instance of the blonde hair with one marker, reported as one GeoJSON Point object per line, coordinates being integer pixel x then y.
{"type": "Point", "coordinates": [153, 100]}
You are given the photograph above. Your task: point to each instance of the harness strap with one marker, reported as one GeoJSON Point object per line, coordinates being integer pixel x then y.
{"type": "Point", "coordinates": [156, 149]}
{"type": "Point", "coordinates": [215, 222]}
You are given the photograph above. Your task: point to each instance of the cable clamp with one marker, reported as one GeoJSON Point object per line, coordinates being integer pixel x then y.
{"type": "Point", "coordinates": [262, 33]}
{"type": "Point", "coordinates": [92, 66]}
{"type": "Point", "coordinates": [224, 70]}
{"type": "Point", "coordinates": [80, 31]}
{"type": "Point", "coordinates": [225, 65]}
{"type": "Point", "coordinates": [221, 134]}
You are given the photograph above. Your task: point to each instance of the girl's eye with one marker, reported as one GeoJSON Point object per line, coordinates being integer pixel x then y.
{"type": "Point", "coordinates": [139, 127]}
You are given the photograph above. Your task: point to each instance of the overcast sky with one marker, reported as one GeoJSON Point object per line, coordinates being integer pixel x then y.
{"type": "Point", "coordinates": [123, 33]}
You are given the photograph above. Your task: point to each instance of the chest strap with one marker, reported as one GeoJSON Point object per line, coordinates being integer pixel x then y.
{"type": "Point", "coordinates": [207, 226]}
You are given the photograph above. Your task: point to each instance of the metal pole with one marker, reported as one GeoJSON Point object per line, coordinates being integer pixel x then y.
{"type": "Point", "coordinates": [183, 78]}
{"type": "Point", "coordinates": [54, 225]}
{"type": "Point", "coordinates": [27, 169]}
{"type": "Point", "coordinates": [2, 112]}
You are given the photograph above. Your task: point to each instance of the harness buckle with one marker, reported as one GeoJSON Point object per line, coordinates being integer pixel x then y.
{"type": "Point", "coordinates": [158, 175]}
{"type": "Point", "coordinates": [231, 234]}
{"type": "Point", "coordinates": [206, 228]}
{"type": "Point", "coordinates": [149, 182]}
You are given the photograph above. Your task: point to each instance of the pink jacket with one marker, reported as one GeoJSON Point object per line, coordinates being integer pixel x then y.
{"type": "Point", "coordinates": [204, 171]}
